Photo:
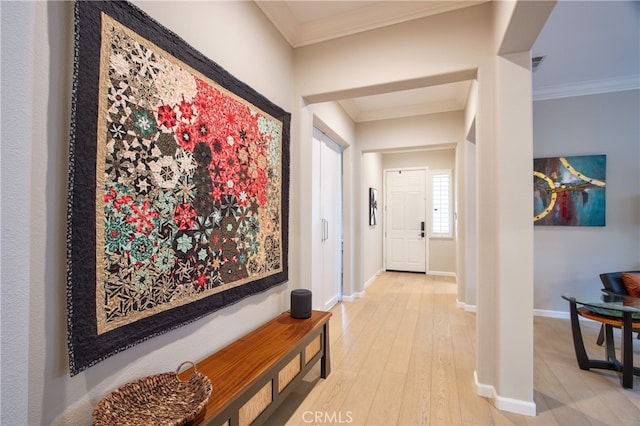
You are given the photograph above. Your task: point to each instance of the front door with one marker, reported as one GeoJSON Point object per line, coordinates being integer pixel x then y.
{"type": "Point", "coordinates": [405, 224]}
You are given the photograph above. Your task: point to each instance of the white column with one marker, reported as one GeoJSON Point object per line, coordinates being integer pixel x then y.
{"type": "Point", "coordinates": [514, 207]}
{"type": "Point", "coordinates": [504, 369]}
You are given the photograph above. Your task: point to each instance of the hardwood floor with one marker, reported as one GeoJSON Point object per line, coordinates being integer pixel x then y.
{"type": "Point", "coordinates": [405, 355]}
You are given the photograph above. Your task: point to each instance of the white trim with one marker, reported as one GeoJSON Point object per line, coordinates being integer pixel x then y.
{"type": "Point", "coordinates": [526, 408]}
{"type": "Point", "coordinates": [442, 273]}
{"type": "Point", "coordinates": [331, 303]}
{"type": "Point", "coordinates": [362, 18]}
{"type": "Point", "coordinates": [398, 112]}
{"type": "Point", "coordinates": [550, 314]}
{"type": "Point", "coordinates": [517, 406]}
{"type": "Point", "coordinates": [467, 308]}
{"type": "Point", "coordinates": [360, 294]}
{"type": "Point", "coordinates": [481, 389]}
{"type": "Point", "coordinates": [587, 88]}
{"type": "Point", "coordinates": [353, 297]}
{"type": "Point", "coordinates": [373, 278]}
{"type": "Point", "coordinates": [559, 315]}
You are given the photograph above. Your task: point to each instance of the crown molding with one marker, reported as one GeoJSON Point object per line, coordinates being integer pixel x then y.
{"type": "Point", "coordinates": [587, 88]}
{"type": "Point", "coordinates": [358, 116]}
{"type": "Point", "coordinates": [377, 15]}
{"type": "Point", "coordinates": [350, 107]}
{"type": "Point", "coordinates": [281, 17]}
{"type": "Point", "coordinates": [370, 17]}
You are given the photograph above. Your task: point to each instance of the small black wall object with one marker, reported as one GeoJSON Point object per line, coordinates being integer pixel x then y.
{"type": "Point", "coordinates": [300, 303]}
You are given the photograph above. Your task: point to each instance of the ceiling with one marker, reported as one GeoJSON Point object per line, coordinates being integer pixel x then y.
{"type": "Point", "coordinates": [588, 47]}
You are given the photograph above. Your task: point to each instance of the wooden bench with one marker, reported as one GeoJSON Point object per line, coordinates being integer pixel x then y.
{"type": "Point", "coordinates": [254, 374]}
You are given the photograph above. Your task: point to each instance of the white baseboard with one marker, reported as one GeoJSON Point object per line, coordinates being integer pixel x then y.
{"type": "Point", "coordinates": [536, 312]}
{"type": "Point", "coordinates": [517, 406]}
{"type": "Point", "coordinates": [373, 278]}
{"type": "Point", "coordinates": [526, 408]}
{"type": "Point", "coordinates": [467, 308]}
{"type": "Point", "coordinates": [550, 314]}
{"type": "Point", "coordinates": [353, 297]}
{"type": "Point", "coordinates": [360, 294]}
{"type": "Point", "coordinates": [482, 390]}
{"type": "Point", "coordinates": [442, 273]}
{"type": "Point", "coordinates": [331, 303]}
{"type": "Point", "coordinates": [557, 314]}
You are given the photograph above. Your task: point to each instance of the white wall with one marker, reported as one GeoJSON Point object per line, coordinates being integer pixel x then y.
{"type": "Point", "coordinates": [422, 131]}
{"type": "Point", "coordinates": [372, 234]}
{"type": "Point", "coordinates": [568, 259]}
{"type": "Point", "coordinates": [331, 118]}
{"type": "Point", "coordinates": [465, 205]}
{"type": "Point", "coordinates": [34, 151]}
{"type": "Point", "coordinates": [418, 52]}
{"type": "Point", "coordinates": [431, 158]}
{"type": "Point", "coordinates": [17, 106]}
{"type": "Point", "coordinates": [466, 272]}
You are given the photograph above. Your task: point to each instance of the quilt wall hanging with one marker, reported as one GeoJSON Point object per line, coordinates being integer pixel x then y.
{"type": "Point", "coordinates": [570, 191]}
{"type": "Point", "coordinates": [178, 185]}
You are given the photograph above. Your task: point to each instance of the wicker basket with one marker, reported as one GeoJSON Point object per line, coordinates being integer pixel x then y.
{"type": "Point", "coordinates": [161, 399]}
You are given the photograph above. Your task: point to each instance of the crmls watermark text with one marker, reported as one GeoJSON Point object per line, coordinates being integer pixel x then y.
{"type": "Point", "coordinates": [334, 417]}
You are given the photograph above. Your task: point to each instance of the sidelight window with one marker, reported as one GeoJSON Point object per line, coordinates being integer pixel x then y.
{"type": "Point", "coordinates": [441, 206]}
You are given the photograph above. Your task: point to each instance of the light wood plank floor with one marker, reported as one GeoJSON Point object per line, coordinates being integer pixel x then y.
{"type": "Point", "coordinates": [405, 355]}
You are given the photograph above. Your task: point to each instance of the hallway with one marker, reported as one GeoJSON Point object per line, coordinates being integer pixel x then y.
{"type": "Point", "coordinates": [405, 354]}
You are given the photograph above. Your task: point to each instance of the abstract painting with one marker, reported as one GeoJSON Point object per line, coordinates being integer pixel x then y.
{"type": "Point", "coordinates": [178, 185]}
{"type": "Point", "coordinates": [569, 191]}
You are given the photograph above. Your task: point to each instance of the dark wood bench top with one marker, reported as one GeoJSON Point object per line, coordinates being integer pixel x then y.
{"type": "Point", "coordinates": [233, 369]}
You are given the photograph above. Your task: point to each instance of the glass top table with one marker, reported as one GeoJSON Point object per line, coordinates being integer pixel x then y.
{"type": "Point", "coordinates": [612, 311]}
{"type": "Point", "coordinates": [609, 305]}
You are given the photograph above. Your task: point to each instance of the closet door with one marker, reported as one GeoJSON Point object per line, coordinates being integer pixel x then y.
{"type": "Point", "coordinates": [328, 282]}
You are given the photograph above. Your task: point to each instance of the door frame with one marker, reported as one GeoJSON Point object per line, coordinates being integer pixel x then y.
{"type": "Point", "coordinates": [427, 222]}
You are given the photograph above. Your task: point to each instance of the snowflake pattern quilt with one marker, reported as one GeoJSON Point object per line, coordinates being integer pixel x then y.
{"type": "Point", "coordinates": [178, 185]}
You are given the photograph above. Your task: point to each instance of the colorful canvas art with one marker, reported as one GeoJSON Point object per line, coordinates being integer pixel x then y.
{"type": "Point", "coordinates": [178, 185]}
{"type": "Point", "coordinates": [569, 191]}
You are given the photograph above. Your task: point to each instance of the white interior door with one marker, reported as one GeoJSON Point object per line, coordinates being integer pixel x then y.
{"type": "Point", "coordinates": [405, 224]}
{"type": "Point", "coordinates": [328, 280]}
